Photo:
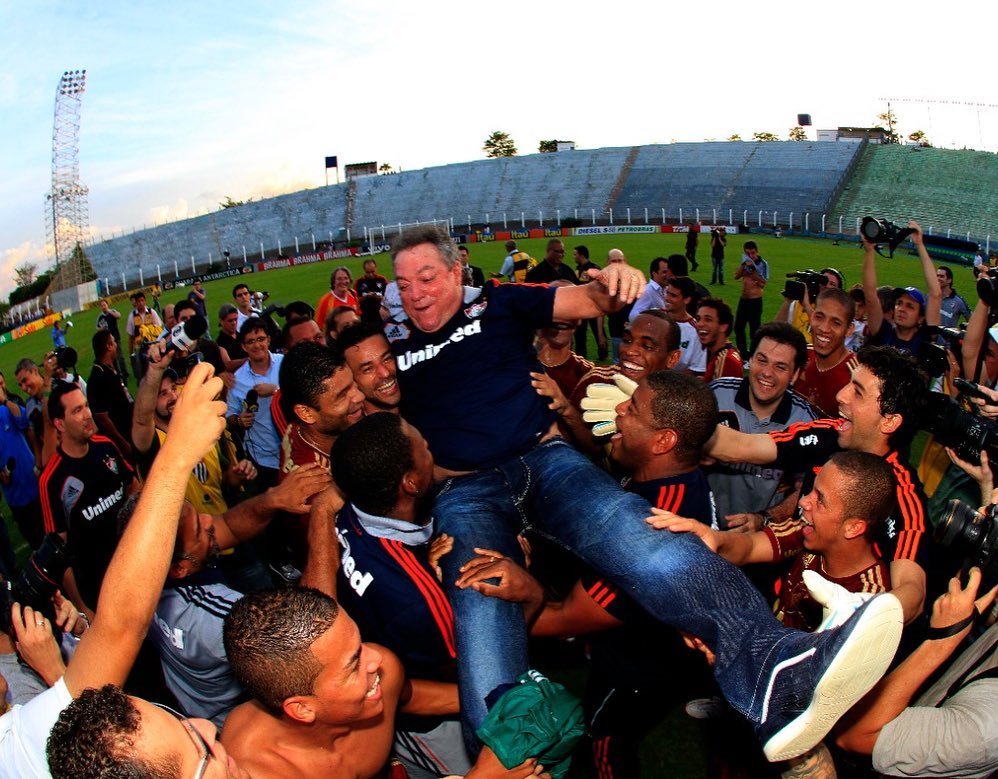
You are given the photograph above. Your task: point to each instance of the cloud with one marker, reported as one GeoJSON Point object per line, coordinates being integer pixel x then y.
{"type": "Point", "coordinates": [169, 213]}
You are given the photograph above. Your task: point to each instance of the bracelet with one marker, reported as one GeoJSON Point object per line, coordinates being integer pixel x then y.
{"type": "Point", "coordinates": [935, 634]}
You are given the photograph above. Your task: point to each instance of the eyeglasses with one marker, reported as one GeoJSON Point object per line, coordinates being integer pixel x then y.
{"type": "Point", "coordinates": [254, 341]}
{"type": "Point", "coordinates": [196, 737]}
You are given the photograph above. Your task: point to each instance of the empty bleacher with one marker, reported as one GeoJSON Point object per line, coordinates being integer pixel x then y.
{"type": "Point", "coordinates": [781, 177]}
{"type": "Point", "coordinates": [940, 188]}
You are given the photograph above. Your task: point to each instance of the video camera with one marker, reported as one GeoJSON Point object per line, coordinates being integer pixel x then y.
{"type": "Point", "coordinates": [38, 581]}
{"type": "Point", "coordinates": [881, 231]}
{"type": "Point", "coordinates": [963, 431]}
{"type": "Point", "coordinates": [808, 280]}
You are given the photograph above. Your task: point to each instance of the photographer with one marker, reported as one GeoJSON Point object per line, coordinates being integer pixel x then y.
{"type": "Point", "coordinates": [952, 729]}
{"type": "Point", "coordinates": [912, 309]}
{"type": "Point", "coordinates": [754, 274]}
{"type": "Point", "coordinates": [718, 240]}
{"type": "Point", "coordinates": [800, 296]}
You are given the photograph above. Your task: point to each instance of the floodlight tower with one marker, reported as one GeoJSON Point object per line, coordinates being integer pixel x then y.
{"type": "Point", "coordinates": [67, 214]}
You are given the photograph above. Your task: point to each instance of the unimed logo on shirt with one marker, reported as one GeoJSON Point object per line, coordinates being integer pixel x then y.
{"type": "Point", "coordinates": [108, 501]}
{"type": "Point", "coordinates": [359, 581]}
{"type": "Point", "coordinates": [406, 360]}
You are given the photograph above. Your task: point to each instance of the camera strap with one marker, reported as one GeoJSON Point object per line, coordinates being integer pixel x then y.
{"type": "Point", "coordinates": [934, 634]}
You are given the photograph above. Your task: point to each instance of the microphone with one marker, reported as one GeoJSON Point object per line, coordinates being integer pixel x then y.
{"type": "Point", "coordinates": [185, 335]}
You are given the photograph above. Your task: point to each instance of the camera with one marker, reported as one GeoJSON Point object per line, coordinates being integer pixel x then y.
{"type": "Point", "coordinates": [973, 535]}
{"type": "Point", "coordinates": [38, 581]}
{"type": "Point", "coordinates": [800, 280]}
{"type": "Point", "coordinates": [987, 287]}
{"type": "Point", "coordinates": [66, 357]}
{"type": "Point", "coordinates": [881, 231]}
{"type": "Point", "coordinates": [964, 432]}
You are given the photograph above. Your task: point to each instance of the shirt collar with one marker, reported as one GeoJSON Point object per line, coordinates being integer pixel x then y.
{"type": "Point", "coordinates": [393, 529]}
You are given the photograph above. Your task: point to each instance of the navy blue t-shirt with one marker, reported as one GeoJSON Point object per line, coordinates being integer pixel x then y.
{"type": "Point", "coordinates": [466, 387]}
{"type": "Point", "coordinates": [390, 590]}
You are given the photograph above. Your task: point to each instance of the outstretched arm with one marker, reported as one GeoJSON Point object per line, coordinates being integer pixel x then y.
{"type": "Point", "coordinates": [734, 446]}
{"type": "Point", "coordinates": [935, 297]}
{"type": "Point", "coordinates": [874, 311]}
{"type": "Point", "coordinates": [610, 289]}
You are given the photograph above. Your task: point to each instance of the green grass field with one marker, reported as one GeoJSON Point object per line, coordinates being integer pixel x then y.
{"type": "Point", "coordinates": [677, 747]}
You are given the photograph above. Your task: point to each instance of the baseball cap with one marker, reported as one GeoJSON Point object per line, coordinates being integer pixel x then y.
{"type": "Point", "coordinates": [913, 292]}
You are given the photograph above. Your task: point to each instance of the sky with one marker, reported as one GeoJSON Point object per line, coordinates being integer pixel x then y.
{"type": "Point", "coordinates": [188, 103]}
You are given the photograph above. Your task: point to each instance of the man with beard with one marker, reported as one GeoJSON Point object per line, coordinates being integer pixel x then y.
{"type": "Point", "coordinates": [829, 364]}
{"type": "Point", "coordinates": [370, 358]}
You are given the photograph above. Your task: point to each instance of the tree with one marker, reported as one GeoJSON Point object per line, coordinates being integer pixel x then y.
{"type": "Point", "coordinates": [499, 144]}
{"type": "Point", "coordinates": [546, 147]}
{"type": "Point", "coordinates": [798, 133]}
{"type": "Point", "coordinates": [385, 168]}
{"type": "Point", "coordinates": [24, 273]}
{"type": "Point", "coordinates": [918, 137]}
{"type": "Point", "coordinates": [764, 137]}
{"type": "Point", "coordinates": [230, 203]}
{"type": "Point", "coordinates": [889, 119]}
{"type": "Point", "coordinates": [734, 137]}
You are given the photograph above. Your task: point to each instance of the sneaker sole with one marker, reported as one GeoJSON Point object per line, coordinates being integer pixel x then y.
{"type": "Point", "coordinates": [859, 665]}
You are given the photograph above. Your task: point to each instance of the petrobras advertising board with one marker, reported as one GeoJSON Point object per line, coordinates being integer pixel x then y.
{"type": "Point", "coordinates": [615, 230]}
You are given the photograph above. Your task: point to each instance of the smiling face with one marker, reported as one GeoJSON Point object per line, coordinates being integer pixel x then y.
{"type": "Point", "coordinates": [823, 511]}
{"type": "Point", "coordinates": [339, 406]}
{"type": "Point", "coordinates": [374, 371]}
{"type": "Point", "coordinates": [771, 371]}
{"type": "Point", "coordinates": [431, 292]}
{"type": "Point", "coordinates": [348, 688]}
{"type": "Point", "coordinates": [675, 303]}
{"type": "Point", "coordinates": [644, 348]}
{"type": "Point", "coordinates": [865, 428]}
{"type": "Point", "coordinates": [30, 381]}
{"type": "Point", "coordinates": [341, 282]}
{"type": "Point", "coordinates": [631, 446]}
{"type": "Point", "coordinates": [710, 331]}
{"type": "Point", "coordinates": [830, 326]}
{"type": "Point", "coordinates": [256, 344]}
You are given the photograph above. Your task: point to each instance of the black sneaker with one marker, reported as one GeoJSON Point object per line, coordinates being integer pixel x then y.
{"type": "Point", "coordinates": [809, 691]}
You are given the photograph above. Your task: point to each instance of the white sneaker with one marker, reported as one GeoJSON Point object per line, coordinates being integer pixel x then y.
{"type": "Point", "coordinates": [838, 603]}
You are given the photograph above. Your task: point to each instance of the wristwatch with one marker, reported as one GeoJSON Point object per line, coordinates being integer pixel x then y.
{"type": "Point", "coordinates": [767, 517]}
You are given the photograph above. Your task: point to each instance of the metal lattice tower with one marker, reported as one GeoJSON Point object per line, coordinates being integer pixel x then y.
{"type": "Point", "coordinates": [67, 213]}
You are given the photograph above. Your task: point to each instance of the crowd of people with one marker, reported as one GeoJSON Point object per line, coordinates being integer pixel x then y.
{"type": "Point", "coordinates": [326, 540]}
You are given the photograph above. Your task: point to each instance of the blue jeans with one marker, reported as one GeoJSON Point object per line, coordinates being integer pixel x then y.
{"type": "Point", "coordinates": [557, 492]}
